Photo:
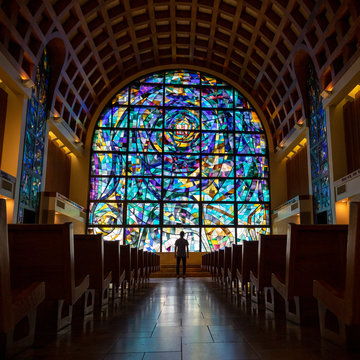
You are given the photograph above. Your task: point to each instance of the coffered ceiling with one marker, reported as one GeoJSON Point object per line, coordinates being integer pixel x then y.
{"type": "Point", "coordinates": [253, 43]}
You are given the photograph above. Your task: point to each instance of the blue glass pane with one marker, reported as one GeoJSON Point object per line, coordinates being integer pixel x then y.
{"type": "Point", "coordinates": [213, 97]}
{"type": "Point", "coordinates": [252, 190]}
{"type": "Point", "coordinates": [147, 239]}
{"type": "Point", "coordinates": [147, 95]}
{"type": "Point", "coordinates": [145, 141]}
{"type": "Point", "coordinates": [144, 188]}
{"type": "Point", "coordinates": [253, 214]}
{"type": "Point", "coordinates": [105, 213]}
{"type": "Point", "coordinates": [217, 120]}
{"type": "Point", "coordinates": [182, 96]}
{"type": "Point", "coordinates": [182, 77]}
{"type": "Point", "coordinates": [144, 117]}
{"type": "Point", "coordinates": [182, 141]}
{"type": "Point", "coordinates": [182, 165]}
{"type": "Point", "coordinates": [144, 165]}
{"type": "Point", "coordinates": [217, 190]}
{"type": "Point", "coordinates": [108, 164]}
{"type": "Point", "coordinates": [250, 143]}
{"type": "Point", "coordinates": [247, 121]}
{"type": "Point", "coordinates": [182, 119]}
{"type": "Point", "coordinates": [143, 214]}
{"type": "Point", "coordinates": [217, 166]}
{"type": "Point", "coordinates": [217, 143]}
{"type": "Point", "coordinates": [252, 166]}
{"type": "Point", "coordinates": [180, 189]}
{"type": "Point", "coordinates": [107, 188]}
{"type": "Point", "coordinates": [181, 214]}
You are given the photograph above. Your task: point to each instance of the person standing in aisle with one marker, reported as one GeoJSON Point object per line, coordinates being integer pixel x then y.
{"type": "Point", "coordinates": [181, 253]}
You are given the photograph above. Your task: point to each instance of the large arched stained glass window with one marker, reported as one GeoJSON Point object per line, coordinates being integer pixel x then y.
{"type": "Point", "coordinates": [179, 150]}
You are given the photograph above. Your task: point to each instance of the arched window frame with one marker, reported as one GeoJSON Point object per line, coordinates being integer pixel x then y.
{"type": "Point", "coordinates": [235, 232]}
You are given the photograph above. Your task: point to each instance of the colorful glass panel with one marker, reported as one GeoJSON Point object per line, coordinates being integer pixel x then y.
{"type": "Point", "coordinates": [144, 238]}
{"type": "Point", "coordinates": [247, 121]}
{"type": "Point", "coordinates": [213, 97]}
{"type": "Point", "coordinates": [215, 238]}
{"type": "Point", "coordinates": [318, 150]}
{"type": "Point", "coordinates": [145, 165]}
{"type": "Point", "coordinates": [108, 233]}
{"type": "Point", "coordinates": [181, 165]}
{"type": "Point", "coordinates": [180, 150]}
{"type": "Point", "coordinates": [107, 188]}
{"type": "Point", "coordinates": [252, 166]}
{"type": "Point", "coordinates": [252, 190]}
{"type": "Point", "coordinates": [34, 143]}
{"type": "Point", "coordinates": [105, 213]}
{"type": "Point", "coordinates": [144, 188]}
{"type": "Point", "coordinates": [217, 190]}
{"type": "Point", "coordinates": [181, 214]}
{"type": "Point", "coordinates": [182, 77]}
{"type": "Point", "coordinates": [143, 214]}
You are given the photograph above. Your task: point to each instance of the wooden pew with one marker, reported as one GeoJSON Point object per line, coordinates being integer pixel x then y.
{"type": "Point", "coordinates": [311, 252]}
{"type": "Point", "coordinates": [125, 263]}
{"type": "Point", "coordinates": [271, 259]}
{"type": "Point", "coordinates": [220, 264]}
{"type": "Point", "coordinates": [89, 259]}
{"type": "Point", "coordinates": [46, 253]}
{"type": "Point", "coordinates": [236, 260]}
{"type": "Point", "coordinates": [147, 266]}
{"type": "Point", "coordinates": [18, 303]}
{"type": "Point", "coordinates": [141, 266]}
{"type": "Point", "coordinates": [134, 266]}
{"type": "Point", "coordinates": [248, 263]}
{"type": "Point", "coordinates": [339, 297]}
{"type": "Point", "coordinates": [112, 263]}
{"type": "Point", "coordinates": [214, 255]}
{"type": "Point", "coordinates": [226, 266]}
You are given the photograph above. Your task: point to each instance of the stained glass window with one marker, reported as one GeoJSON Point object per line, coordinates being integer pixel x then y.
{"type": "Point", "coordinates": [34, 144]}
{"type": "Point", "coordinates": [318, 151]}
{"type": "Point", "coordinates": [179, 150]}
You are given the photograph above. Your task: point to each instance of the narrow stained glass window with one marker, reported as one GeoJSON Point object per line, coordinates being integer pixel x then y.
{"type": "Point", "coordinates": [179, 150]}
{"type": "Point", "coordinates": [34, 144]}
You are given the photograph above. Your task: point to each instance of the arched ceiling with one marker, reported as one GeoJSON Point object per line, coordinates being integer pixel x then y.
{"type": "Point", "coordinates": [252, 42]}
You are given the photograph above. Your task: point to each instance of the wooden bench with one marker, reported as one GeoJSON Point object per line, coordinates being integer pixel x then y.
{"type": "Point", "coordinates": [226, 266]}
{"type": "Point", "coordinates": [46, 253]}
{"type": "Point", "coordinates": [235, 263]}
{"type": "Point", "coordinates": [134, 266]}
{"type": "Point", "coordinates": [112, 263]}
{"type": "Point", "coordinates": [18, 303]}
{"type": "Point", "coordinates": [125, 263]}
{"type": "Point", "coordinates": [89, 259]}
{"type": "Point", "coordinates": [248, 263]}
{"type": "Point", "coordinates": [141, 266]}
{"type": "Point", "coordinates": [213, 262]}
{"type": "Point", "coordinates": [311, 252]}
{"type": "Point", "coordinates": [339, 297]}
{"type": "Point", "coordinates": [271, 259]}
{"type": "Point", "coordinates": [147, 266]}
{"type": "Point", "coordinates": [220, 264]}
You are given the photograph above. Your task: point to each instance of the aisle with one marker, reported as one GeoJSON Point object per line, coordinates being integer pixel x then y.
{"type": "Point", "coordinates": [191, 319]}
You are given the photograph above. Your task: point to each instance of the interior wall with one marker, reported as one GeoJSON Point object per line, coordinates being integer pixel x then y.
{"type": "Point", "coordinates": [58, 170]}
{"type": "Point", "coordinates": [3, 107]}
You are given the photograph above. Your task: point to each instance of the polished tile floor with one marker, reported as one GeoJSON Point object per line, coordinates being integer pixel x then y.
{"type": "Point", "coordinates": [184, 319]}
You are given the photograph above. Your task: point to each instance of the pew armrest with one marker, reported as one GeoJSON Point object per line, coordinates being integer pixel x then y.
{"type": "Point", "coordinates": [122, 277]}
{"type": "Point", "coordinates": [107, 279]}
{"type": "Point", "coordinates": [254, 280]}
{"type": "Point", "coordinates": [82, 284]}
{"type": "Point", "coordinates": [332, 298]}
{"type": "Point", "coordinates": [26, 299]}
{"type": "Point", "coordinates": [238, 275]}
{"type": "Point", "coordinates": [279, 285]}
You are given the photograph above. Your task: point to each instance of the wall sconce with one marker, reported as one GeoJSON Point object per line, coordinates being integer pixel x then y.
{"type": "Point", "coordinates": [27, 83]}
{"type": "Point", "coordinates": [326, 93]}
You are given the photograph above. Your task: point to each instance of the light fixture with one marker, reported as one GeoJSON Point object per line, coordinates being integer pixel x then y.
{"type": "Point", "coordinates": [326, 93]}
{"type": "Point", "coordinates": [27, 83]}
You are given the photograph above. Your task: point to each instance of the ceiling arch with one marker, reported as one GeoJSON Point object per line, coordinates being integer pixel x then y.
{"type": "Point", "coordinates": [251, 42]}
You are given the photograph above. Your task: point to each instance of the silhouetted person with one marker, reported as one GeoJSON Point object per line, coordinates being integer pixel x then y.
{"type": "Point", "coordinates": [181, 253]}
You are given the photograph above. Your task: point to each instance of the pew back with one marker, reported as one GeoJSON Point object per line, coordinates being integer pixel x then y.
{"type": "Point", "coordinates": [112, 260]}
{"type": "Point", "coordinates": [44, 253]}
{"type": "Point", "coordinates": [236, 258]}
{"type": "Point", "coordinates": [249, 259]}
{"type": "Point", "coordinates": [310, 251]}
{"type": "Point", "coordinates": [271, 258]}
{"type": "Point", "coordinates": [89, 258]}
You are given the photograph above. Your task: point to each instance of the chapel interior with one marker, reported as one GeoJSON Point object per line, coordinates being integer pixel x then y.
{"type": "Point", "coordinates": [125, 122]}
